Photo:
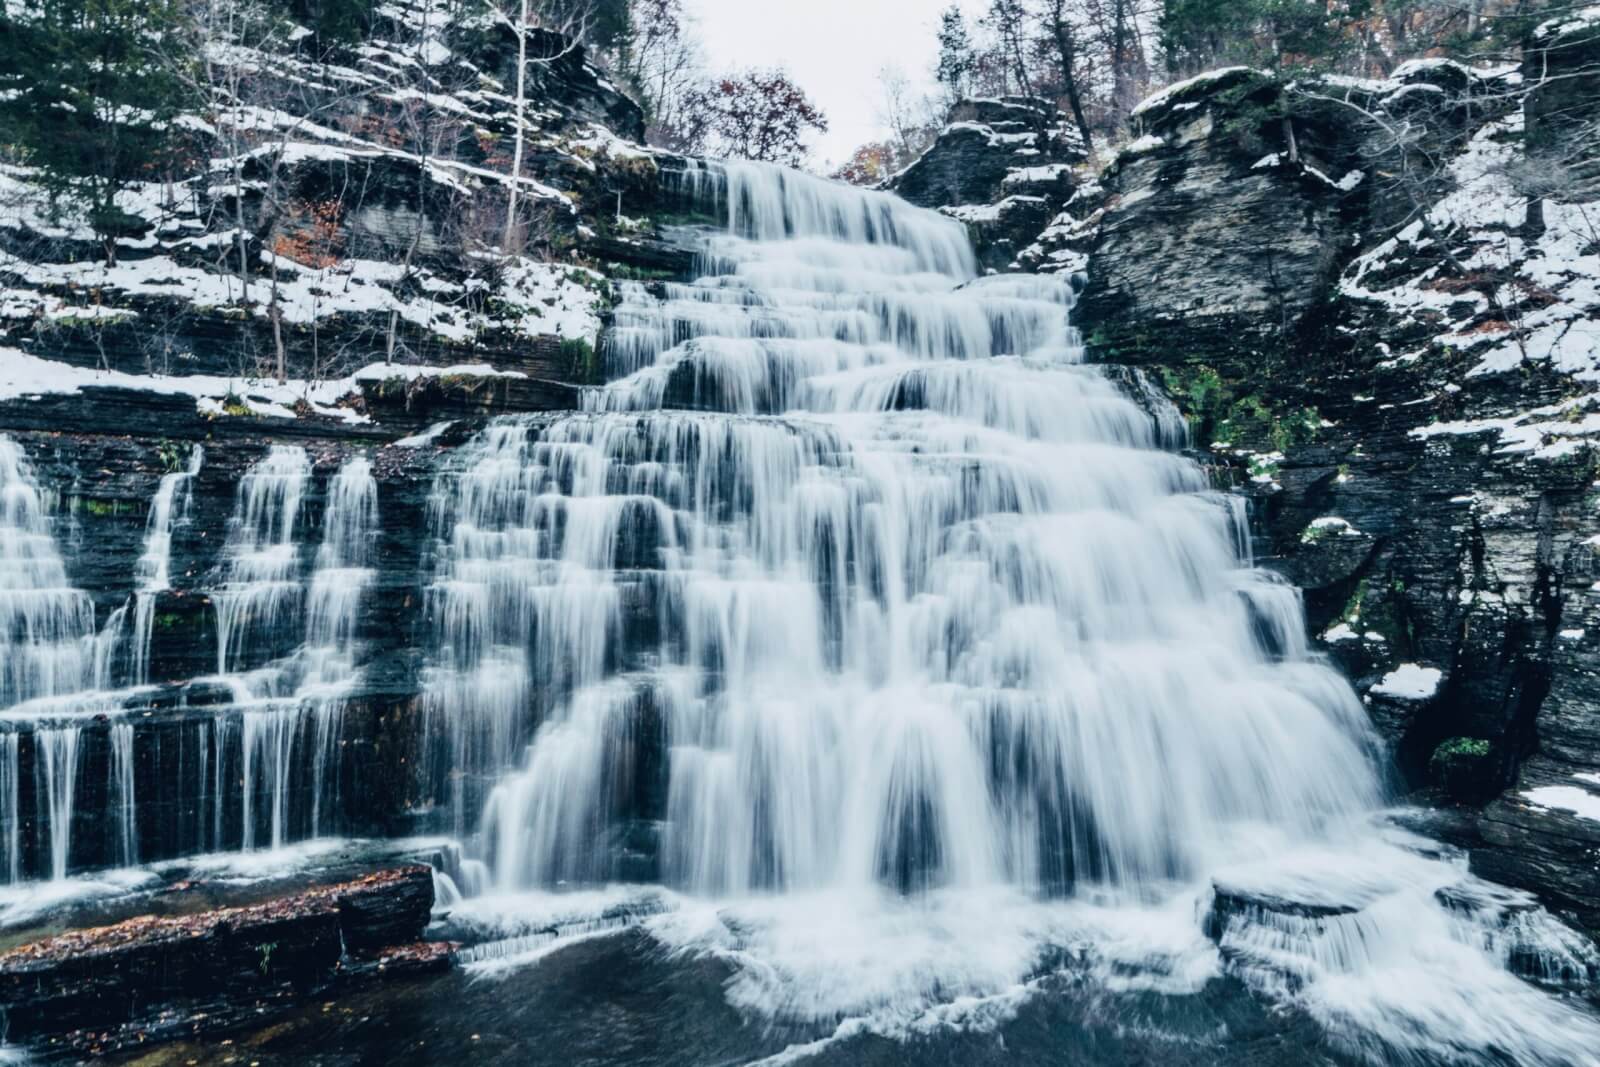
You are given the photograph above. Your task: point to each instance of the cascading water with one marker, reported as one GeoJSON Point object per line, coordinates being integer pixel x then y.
{"type": "Point", "coordinates": [11, 802]}
{"type": "Point", "coordinates": [123, 805]}
{"type": "Point", "coordinates": [47, 634]}
{"type": "Point", "coordinates": [273, 738]}
{"type": "Point", "coordinates": [342, 576]}
{"type": "Point", "coordinates": [168, 510]}
{"type": "Point", "coordinates": [48, 653]}
{"type": "Point", "coordinates": [57, 751]}
{"type": "Point", "coordinates": [261, 570]}
{"type": "Point", "coordinates": [291, 702]}
{"type": "Point", "coordinates": [859, 606]}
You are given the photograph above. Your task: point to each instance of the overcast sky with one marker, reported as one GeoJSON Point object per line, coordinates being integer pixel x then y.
{"type": "Point", "coordinates": [833, 49]}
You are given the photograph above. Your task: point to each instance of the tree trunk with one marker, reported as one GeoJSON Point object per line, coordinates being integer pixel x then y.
{"type": "Point", "coordinates": [516, 153]}
{"type": "Point", "coordinates": [275, 314]}
{"type": "Point", "coordinates": [1067, 54]}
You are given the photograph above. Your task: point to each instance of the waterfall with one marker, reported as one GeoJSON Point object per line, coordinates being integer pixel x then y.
{"type": "Point", "coordinates": [56, 751]}
{"type": "Point", "coordinates": [928, 602]}
{"type": "Point", "coordinates": [47, 632]}
{"type": "Point", "coordinates": [261, 568]}
{"type": "Point", "coordinates": [11, 804]}
{"type": "Point", "coordinates": [290, 705]}
{"type": "Point", "coordinates": [343, 572]}
{"type": "Point", "coordinates": [123, 807]}
{"type": "Point", "coordinates": [856, 604]}
{"type": "Point", "coordinates": [169, 509]}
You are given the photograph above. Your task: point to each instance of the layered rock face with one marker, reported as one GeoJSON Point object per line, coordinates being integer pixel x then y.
{"type": "Point", "coordinates": [1004, 167]}
{"type": "Point", "coordinates": [334, 218]}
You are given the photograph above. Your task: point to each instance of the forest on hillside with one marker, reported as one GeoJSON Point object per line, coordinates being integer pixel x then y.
{"type": "Point", "coordinates": [95, 88]}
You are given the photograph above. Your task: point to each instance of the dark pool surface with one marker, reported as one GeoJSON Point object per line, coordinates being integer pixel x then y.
{"type": "Point", "coordinates": [622, 1000]}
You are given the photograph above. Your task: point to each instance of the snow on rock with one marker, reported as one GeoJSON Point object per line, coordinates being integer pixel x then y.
{"type": "Point", "coordinates": [1409, 681]}
{"type": "Point", "coordinates": [1543, 433]}
{"type": "Point", "coordinates": [1568, 23]}
{"type": "Point", "coordinates": [426, 437]}
{"type": "Point", "coordinates": [1036, 175]}
{"type": "Point", "coordinates": [24, 376]}
{"type": "Point", "coordinates": [1569, 798]}
{"type": "Point", "coordinates": [1148, 143]}
{"type": "Point", "coordinates": [1330, 526]}
{"type": "Point", "coordinates": [1177, 89]}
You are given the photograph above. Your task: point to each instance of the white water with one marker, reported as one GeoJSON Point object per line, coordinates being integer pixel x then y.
{"type": "Point", "coordinates": [261, 571]}
{"type": "Point", "coordinates": [918, 659]}
{"type": "Point", "coordinates": [292, 703]}
{"type": "Point", "coordinates": [46, 625]}
{"type": "Point", "coordinates": [287, 654]}
{"type": "Point", "coordinates": [169, 509]}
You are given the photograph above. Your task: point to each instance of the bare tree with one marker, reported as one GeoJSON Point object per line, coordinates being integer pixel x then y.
{"type": "Point", "coordinates": [910, 117]}
{"type": "Point", "coordinates": [556, 29]}
{"type": "Point", "coordinates": [760, 115]}
{"type": "Point", "coordinates": [1063, 35]}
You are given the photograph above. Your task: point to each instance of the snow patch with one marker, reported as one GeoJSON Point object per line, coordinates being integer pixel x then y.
{"type": "Point", "coordinates": [1409, 681]}
{"type": "Point", "coordinates": [1568, 798]}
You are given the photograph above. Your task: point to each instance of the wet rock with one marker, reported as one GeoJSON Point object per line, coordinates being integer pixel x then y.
{"type": "Point", "coordinates": [166, 968]}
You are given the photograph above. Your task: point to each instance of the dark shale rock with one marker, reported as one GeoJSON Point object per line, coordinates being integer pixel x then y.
{"type": "Point", "coordinates": [1004, 167]}
{"type": "Point", "coordinates": [94, 979]}
{"type": "Point", "coordinates": [1565, 54]}
{"type": "Point", "coordinates": [1214, 240]}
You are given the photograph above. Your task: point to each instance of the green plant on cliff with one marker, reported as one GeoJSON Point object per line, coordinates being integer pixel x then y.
{"type": "Point", "coordinates": [266, 950]}
{"type": "Point", "coordinates": [170, 456]}
{"type": "Point", "coordinates": [1217, 413]}
{"type": "Point", "coordinates": [580, 359]}
{"type": "Point", "coordinates": [1463, 768]}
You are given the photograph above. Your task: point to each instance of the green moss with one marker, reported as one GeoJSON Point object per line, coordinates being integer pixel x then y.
{"type": "Point", "coordinates": [581, 360]}
{"type": "Point", "coordinates": [690, 217]}
{"type": "Point", "coordinates": [1220, 411]}
{"type": "Point", "coordinates": [1463, 767]}
{"type": "Point", "coordinates": [1351, 615]}
{"type": "Point", "coordinates": [102, 508]}
{"type": "Point", "coordinates": [626, 272]}
{"type": "Point", "coordinates": [168, 620]}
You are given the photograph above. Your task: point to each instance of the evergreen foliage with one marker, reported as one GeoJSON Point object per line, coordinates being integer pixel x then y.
{"type": "Point", "coordinates": [89, 100]}
{"type": "Point", "coordinates": [956, 58]}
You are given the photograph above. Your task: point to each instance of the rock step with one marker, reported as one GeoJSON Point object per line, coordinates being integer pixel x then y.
{"type": "Point", "coordinates": [103, 987]}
